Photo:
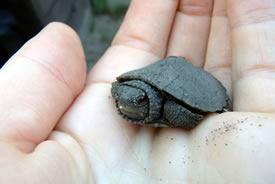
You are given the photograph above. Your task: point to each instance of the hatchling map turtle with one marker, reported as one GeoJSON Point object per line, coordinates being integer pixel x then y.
{"type": "Point", "coordinates": [169, 93]}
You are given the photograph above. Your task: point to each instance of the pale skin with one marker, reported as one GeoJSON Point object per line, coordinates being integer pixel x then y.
{"type": "Point", "coordinates": [58, 125]}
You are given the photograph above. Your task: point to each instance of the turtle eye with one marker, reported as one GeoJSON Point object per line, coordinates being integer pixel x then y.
{"type": "Point", "coordinates": [142, 101]}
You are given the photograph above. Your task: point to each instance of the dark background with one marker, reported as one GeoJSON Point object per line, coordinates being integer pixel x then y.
{"type": "Point", "coordinates": [96, 22]}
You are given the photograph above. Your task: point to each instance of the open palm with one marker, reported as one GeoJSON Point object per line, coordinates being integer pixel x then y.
{"type": "Point", "coordinates": [59, 126]}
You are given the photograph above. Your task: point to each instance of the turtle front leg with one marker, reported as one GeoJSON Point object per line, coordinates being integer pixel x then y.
{"type": "Point", "coordinates": [179, 116]}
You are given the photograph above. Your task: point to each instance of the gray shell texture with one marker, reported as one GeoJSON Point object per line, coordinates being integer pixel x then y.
{"type": "Point", "coordinates": [178, 94]}
{"type": "Point", "coordinates": [184, 81]}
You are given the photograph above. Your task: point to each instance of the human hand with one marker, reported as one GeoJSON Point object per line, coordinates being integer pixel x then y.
{"type": "Point", "coordinates": [55, 129]}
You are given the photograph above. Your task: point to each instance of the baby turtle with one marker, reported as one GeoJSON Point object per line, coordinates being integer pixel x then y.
{"type": "Point", "coordinates": [169, 93]}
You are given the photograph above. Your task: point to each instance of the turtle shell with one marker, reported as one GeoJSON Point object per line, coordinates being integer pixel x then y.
{"type": "Point", "coordinates": [187, 83]}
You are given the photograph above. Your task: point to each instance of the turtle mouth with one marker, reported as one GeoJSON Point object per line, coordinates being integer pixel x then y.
{"type": "Point", "coordinates": [131, 113]}
{"type": "Point", "coordinates": [132, 120]}
{"type": "Point", "coordinates": [152, 100]}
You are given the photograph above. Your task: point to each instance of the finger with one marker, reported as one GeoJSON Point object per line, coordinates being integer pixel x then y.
{"type": "Point", "coordinates": [39, 83]}
{"type": "Point", "coordinates": [218, 57]}
{"type": "Point", "coordinates": [190, 31]}
{"type": "Point", "coordinates": [253, 43]}
{"type": "Point", "coordinates": [141, 40]}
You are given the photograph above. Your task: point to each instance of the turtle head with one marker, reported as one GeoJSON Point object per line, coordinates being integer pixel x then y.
{"type": "Point", "coordinates": [131, 101]}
